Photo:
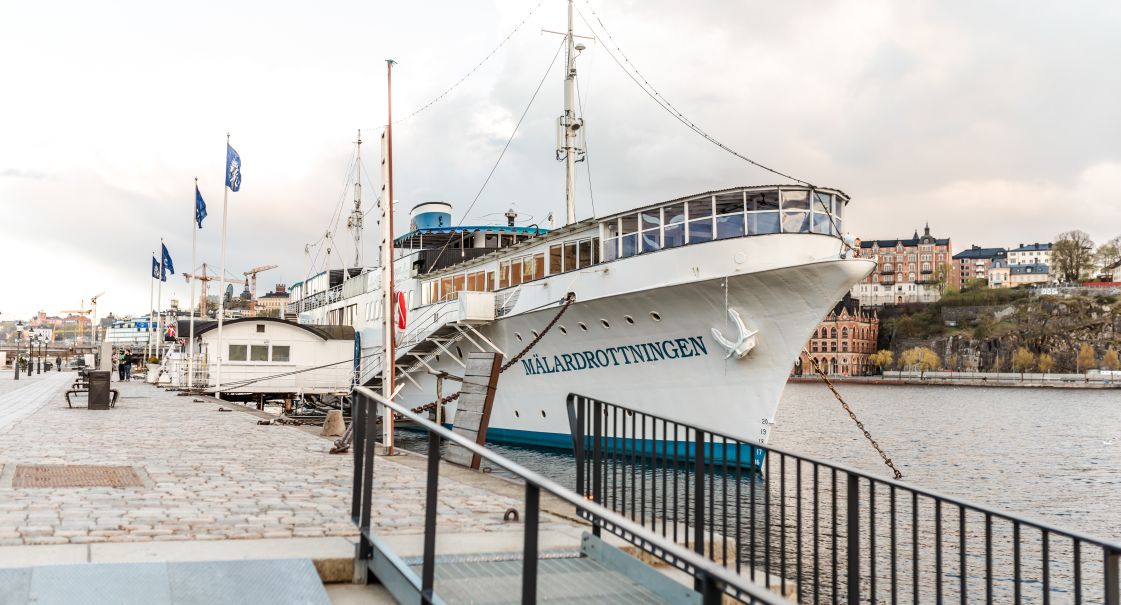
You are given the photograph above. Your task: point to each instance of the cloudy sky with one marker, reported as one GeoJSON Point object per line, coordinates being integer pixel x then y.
{"type": "Point", "coordinates": [996, 121]}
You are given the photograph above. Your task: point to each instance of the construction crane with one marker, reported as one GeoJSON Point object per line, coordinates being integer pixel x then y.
{"type": "Point", "coordinates": [206, 277]}
{"type": "Point", "coordinates": [81, 312]}
{"type": "Point", "coordinates": [252, 275]}
{"type": "Point", "coordinates": [93, 305]}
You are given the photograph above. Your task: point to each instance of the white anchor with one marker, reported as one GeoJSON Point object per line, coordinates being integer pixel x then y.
{"type": "Point", "coordinates": [743, 345]}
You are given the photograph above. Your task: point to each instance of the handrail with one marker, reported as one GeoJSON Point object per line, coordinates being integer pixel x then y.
{"type": "Point", "coordinates": [612, 441]}
{"type": "Point", "coordinates": [715, 579]}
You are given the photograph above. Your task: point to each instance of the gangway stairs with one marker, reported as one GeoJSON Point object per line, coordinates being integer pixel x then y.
{"type": "Point", "coordinates": [437, 332]}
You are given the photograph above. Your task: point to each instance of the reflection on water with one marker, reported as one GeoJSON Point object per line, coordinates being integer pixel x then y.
{"type": "Point", "coordinates": [1048, 454]}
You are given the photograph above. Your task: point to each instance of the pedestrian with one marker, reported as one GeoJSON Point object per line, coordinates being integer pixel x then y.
{"type": "Point", "coordinates": [58, 362]}
{"type": "Point", "coordinates": [121, 365]}
{"type": "Point", "coordinates": [128, 364]}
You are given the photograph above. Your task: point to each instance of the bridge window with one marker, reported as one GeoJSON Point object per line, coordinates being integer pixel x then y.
{"type": "Point", "coordinates": [628, 226]}
{"type": "Point", "coordinates": [700, 220]}
{"type": "Point", "coordinates": [795, 215]}
{"type": "Point", "coordinates": [555, 255]}
{"type": "Point", "coordinates": [674, 220]}
{"type": "Point", "coordinates": [822, 207]}
{"type": "Point", "coordinates": [730, 221]}
{"type": "Point", "coordinates": [569, 256]}
{"type": "Point", "coordinates": [763, 213]}
{"type": "Point", "coordinates": [651, 224]}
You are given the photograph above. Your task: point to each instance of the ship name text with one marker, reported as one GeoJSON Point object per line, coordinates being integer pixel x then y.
{"type": "Point", "coordinates": [646, 352]}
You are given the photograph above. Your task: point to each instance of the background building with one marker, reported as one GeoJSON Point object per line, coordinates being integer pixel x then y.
{"type": "Point", "coordinates": [974, 263]}
{"type": "Point", "coordinates": [1030, 254]}
{"type": "Point", "coordinates": [1000, 274]}
{"type": "Point", "coordinates": [1036, 273]}
{"type": "Point", "coordinates": [907, 270]}
{"type": "Point", "coordinates": [274, 303]}
{"type": "Point", "coordinates": [843, 341]}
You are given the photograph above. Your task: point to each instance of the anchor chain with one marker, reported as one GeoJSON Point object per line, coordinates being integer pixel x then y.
{"type": "Point", "coordinates": [859, 424]}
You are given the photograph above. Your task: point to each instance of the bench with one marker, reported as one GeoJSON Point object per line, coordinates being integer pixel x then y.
{"type": "Point", "coordinates": [82, 385]}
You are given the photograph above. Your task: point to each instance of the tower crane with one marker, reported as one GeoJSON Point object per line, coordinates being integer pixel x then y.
{"type": "Point", "coordinates": [252, 275]}
{"type": "Point", "coordinates": [81, 312]}
{"type": "Point", "coordinates": [206, 277]}
{"type": "Point", "coordinates": [93, 305]}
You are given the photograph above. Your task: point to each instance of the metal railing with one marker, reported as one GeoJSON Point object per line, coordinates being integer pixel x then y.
{"type": "Point", "coordinates": [825, 532]}
{"type": "Point", "coordinates": [712, 581]}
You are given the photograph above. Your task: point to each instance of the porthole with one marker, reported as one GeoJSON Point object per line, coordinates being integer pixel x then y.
{"type": "Point", "coordinates": [534, 332]}
{"type": "Point", "coordinates": [583, 326]}
{"type": "Point", "coordinates": [655, 316]}
{"type": "Point", "coordinates": [603, 322]}
{"type": "Point", "coordinates": [543, 413]}
{"type": "Point", "coordinates": [562, 330]}
{"type": "Point", "coordinates": [629, 319]}
{"type": "Point", "coordinates": [518, 336]}
{"type": "Point", "coordinates": [516, 414]}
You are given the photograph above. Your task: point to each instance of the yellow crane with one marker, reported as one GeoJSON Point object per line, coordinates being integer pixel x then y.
{"type": "Point", "coordinates": [206, 277]}
{"type": "Point", "coordinates": [81, 312]}
{"type": "Point", "coordinates": [252, 275]}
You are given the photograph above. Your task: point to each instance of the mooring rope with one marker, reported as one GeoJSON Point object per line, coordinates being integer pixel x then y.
{"type": "Point", "coordinates": [859, 424]}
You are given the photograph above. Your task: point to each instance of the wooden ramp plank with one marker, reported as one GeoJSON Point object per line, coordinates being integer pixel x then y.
{"type": "Point", "coordinates": [472, 413]}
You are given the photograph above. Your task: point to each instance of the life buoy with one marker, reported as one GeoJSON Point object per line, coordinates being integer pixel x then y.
{"type": "Point", "coordinates": [400, 310]}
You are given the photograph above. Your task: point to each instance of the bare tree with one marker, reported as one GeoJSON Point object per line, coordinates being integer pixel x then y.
{"type": "Point", "coordinates": [1072, 255]}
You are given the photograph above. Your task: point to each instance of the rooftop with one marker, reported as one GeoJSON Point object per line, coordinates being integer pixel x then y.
{"type": "Point", "coordinates": [979, 252]}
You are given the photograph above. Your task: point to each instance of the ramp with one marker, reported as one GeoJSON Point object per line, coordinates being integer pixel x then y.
{"type": "Point", "coordinates": [267, 582]}
{"type": "Point", "coordinates": [472, 412]}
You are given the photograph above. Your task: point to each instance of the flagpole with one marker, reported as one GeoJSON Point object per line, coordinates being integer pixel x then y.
{"type": "Point", "coordinates": [389, 357]}
{"type": "Point", "coordinates": [159, 302]}
{"type": "Point", "coordinates": [190, 305]}
{"type": "Point", "coordinates": [151, 308]}
{"type": "Point", "coordinates": [221, 280]}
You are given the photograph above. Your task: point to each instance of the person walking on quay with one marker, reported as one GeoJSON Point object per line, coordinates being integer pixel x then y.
{"type": "Point", "coordinates": [121, 359]}
{"type": "Point", "coordinates": [58, 363]}
{"type": "Point", "coordinates": [128, 364]}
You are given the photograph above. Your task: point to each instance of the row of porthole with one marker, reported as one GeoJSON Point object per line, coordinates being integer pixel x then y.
{"type": "Point", "coordinates": [603, 322]}
{"type": "Point", "coordinates": [518, 414]}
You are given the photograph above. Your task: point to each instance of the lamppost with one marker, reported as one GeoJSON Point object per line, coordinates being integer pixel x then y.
{"type": "Point", "coordinates": [39, 366]}
{"type": "Point", "coordinates": [30, 353]}
{"type": "Point", "coordinates": [19, 345]}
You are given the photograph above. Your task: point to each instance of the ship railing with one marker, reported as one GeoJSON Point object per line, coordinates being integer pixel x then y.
{"type": "Point", "coordinates": [822, 532]}
{"type": "Point", "coordinates": [428, 321]}
{"type": "Point", "coordinates": [712, 581]}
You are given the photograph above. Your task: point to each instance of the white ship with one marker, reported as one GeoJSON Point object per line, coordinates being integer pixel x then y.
{"type": "Point", "coordinates": [693, 309]}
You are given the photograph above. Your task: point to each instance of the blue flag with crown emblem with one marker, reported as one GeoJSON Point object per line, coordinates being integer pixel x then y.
{"type": "Point", "coordinates": [155, 268]}
{"type": "Point", "coordinates": [168, 267]}
{"type": "Point", "coordinates": [233, 169]}
{"type": "Point", "coordinates": [200, 207]}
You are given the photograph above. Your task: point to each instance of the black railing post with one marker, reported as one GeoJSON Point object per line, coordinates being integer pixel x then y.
{"type": "Point", "coordinates": [710, 589]}
{"type": "Point", "coordinates": [597, 460]}
{"type": "Point", "coordinates": [363, 475]}
{"type": "Point", "coordinates": [1112, 577]}
{"type": "Point", "coordinates": [428, 571]}
{"type": "Point", "coordinates": [853, 534]}
{"type": "Point", "coordinates": [699, 500]}
{"type": "Point", "coordinates": [529, 557]}
{"type": "Point", "coordinates": [576, 424]}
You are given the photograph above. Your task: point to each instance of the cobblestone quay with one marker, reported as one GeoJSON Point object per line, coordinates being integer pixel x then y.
{"type": "Point", "coordinates": [206, 475]}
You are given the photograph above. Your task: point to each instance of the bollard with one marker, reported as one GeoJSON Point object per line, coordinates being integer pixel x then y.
{"type": "Point", "coordinates": [333, 426]}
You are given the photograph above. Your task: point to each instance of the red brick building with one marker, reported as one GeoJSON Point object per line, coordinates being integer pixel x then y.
{"type": "Point", "coordinates": [843, 341]}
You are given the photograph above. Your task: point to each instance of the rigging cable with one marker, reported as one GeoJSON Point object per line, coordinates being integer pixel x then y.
{"type": "Point", "coordinates": [473, 69]}
{"type": "Point", "coordinates": [587, 154]}
{"type": "Point", "coordinates": [664, 103]}
{"type": "Point", "coordinates": [503, 152]}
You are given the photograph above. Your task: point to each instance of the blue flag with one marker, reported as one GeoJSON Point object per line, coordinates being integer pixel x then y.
{"type": "Point", "coordinates": [233, 169]}
{"type": "Point", "coordinates": [200, 207]}
{"type": "Point", "coordinates": [167, 265]}
{"type": "Point", "coordinates": [155, 268]}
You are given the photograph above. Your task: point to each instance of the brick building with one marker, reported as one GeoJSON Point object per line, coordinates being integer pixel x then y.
{"type": "Point", "coordinates": [975, 263]}
{"type": "Point", "coordinates": [907, 270]}
{"type": "Point", "coordinates": [274, 303]}
{"type": "Point", "coordinates": [843, 341]}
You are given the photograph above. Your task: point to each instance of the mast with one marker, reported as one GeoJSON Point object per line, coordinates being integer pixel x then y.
{"type": "Point", "coordinates": [191, 303]}
{"type": "Point", "coordinates": [221, 280]}
{"type": "Point", "coordinates": [569, 123]}
{"type": "Point", "coordinates": [389, 353]}
{"type": "Point", "coordinates": [354, 222]}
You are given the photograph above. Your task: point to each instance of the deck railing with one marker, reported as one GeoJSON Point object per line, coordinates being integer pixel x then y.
{"type": "Point", "coordinates": [713, 581]}
{"type": "Point", "coordinates": [825, 533]}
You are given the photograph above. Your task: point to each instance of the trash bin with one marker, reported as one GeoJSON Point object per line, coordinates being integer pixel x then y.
{"type": "Point", "coordinates": [99, 389]}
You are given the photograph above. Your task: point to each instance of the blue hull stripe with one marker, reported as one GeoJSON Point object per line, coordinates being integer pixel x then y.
{"type": "Point", "coordinates": [715, 453]}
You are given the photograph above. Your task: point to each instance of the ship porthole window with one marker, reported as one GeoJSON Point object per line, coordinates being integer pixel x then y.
{"type": "Point", "coordinates": [518, 336]}
{"type": "Point", "coordinates": [542, 413]}
{"type": "Point", "coordinates": [534, 332]}
{"type": "Point", "coordinates": [655, 316]}
{"type": "Point", "coordinates": [516, 414]}
{"type": "Point", "coordinates": [629, 319]}
{"type": "Point", "coordinates": [583, 326]}
{"type": "Point", "coordinates": [562, 330]}
{"type": "Point", "coordinates": [604, 323]}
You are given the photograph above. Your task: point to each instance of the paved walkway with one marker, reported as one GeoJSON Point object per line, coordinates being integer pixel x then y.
{"type": "Point", "coordinates": [209, 475]}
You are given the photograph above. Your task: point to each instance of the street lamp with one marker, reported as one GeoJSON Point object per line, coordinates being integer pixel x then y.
{"type": "Point", "coordinates": [39, 366]}
{"type": "Point", "coordinates": [30, 353]}
{"type": "Point", "coordinates": [19, 338]}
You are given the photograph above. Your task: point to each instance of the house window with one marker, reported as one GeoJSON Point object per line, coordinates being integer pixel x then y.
{"type": "Point", "coordinates": [237, 352]}
{"type": "Point", "coordinates": [258, 353]}
{"type": "Point", "coordinates": [260, 328]}
{"type": "Point", "coordinates": [280, 353]}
